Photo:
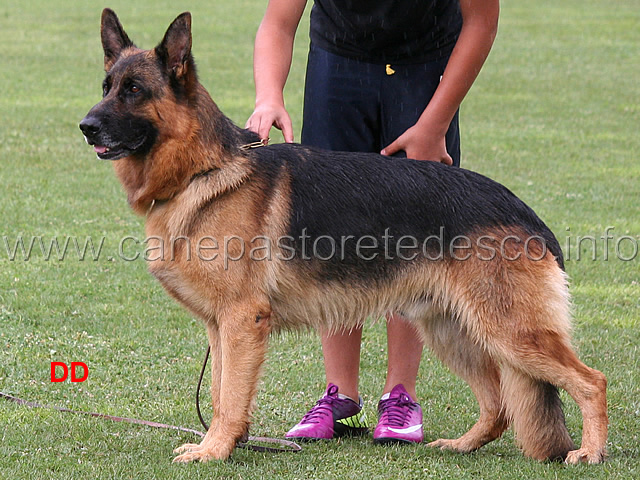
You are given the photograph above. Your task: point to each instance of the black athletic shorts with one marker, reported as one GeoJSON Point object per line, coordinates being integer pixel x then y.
{"type": "Point", "coordinates": [355, 106]}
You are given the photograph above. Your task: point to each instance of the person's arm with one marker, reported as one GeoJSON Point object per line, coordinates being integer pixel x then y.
{"type": "Point", "coordinates": [426, 139]}
{"type": "Point", "coordinates": [271, 63]}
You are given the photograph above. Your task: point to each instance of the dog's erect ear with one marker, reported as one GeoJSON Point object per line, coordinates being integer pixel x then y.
{"type": "Point", "coordinates": [114, 38]}
{"type": "Point", "coordinates": [175, 48]}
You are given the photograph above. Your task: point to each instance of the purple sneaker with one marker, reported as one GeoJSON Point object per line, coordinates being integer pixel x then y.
{"type": "Point", "coordinates": [400, 418]}
{"type": "Point", "coordinates": [332, 416]}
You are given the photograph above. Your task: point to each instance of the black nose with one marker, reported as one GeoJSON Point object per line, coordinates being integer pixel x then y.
{"type": "Point", "coordinates": [90, 126]}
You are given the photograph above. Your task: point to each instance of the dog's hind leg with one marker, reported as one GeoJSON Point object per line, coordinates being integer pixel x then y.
{"type": "Point", "coordinates": [524, 324]}
{"type": "Point", "coordinates": [588, 388]}
{"type": "Point", "coordinates": [243, 339]}
{"type": "Point", "coordinates": [463, 356]}
{"type": "Point", "coordinates": [540, 361]}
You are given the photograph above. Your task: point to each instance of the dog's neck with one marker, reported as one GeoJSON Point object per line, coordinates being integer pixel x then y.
{"type": "Point", "coordinates": [204, 140]}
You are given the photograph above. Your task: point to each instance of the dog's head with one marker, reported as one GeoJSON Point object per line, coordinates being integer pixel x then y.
{"type": "Point", "coordinates": [141, 89]}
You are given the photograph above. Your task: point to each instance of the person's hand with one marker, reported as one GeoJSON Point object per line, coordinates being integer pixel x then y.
{"type": "Point", "coordinates": [420, 145]}
{"type": "Point", "coordinates": [266, 116]}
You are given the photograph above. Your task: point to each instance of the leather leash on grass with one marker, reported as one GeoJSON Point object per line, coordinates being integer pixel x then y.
{"type": "Point", "coordinates": [252, 443]}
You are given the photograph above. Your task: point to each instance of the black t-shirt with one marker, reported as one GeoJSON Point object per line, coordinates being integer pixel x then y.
{"type": "Point", "coordinates": [388, 31]}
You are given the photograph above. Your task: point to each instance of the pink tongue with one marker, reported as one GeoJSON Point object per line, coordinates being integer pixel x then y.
{"type": "Point", "coordinates": [100, 149]}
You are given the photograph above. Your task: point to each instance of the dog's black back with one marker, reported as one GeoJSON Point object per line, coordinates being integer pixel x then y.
{"type": "Point", "coordinates": [351, 196]}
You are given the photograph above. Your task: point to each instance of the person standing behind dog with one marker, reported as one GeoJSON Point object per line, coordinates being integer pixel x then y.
{"type": "Point", "coordinates": [382, 76]}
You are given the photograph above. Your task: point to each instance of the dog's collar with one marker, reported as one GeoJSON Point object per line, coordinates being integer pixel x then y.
{"type": "Point", "coordinates": [204, 173]}
{"type": "Point", "coordinates": [153, 204]}
{"type": "Point", "coordinates": [248, 146]}
{"type": "Point", "coordinates": [157, 201]}
{"type": "Point", "coordinates": [261, 143]}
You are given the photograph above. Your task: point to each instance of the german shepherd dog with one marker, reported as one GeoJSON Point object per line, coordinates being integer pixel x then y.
{"type": "Point", "coordinates": [289, 237]}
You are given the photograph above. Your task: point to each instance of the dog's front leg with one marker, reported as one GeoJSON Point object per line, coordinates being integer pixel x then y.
{"type": "Point", "coordinates": [216, 369]}
{"type": "Point", "coordinates": [213, 332]}
{"type": "Point", "coordinates": [243, 337]}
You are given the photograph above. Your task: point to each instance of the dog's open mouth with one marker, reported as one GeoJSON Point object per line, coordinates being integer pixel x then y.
{"type": "Point", "coordinates": [114, 152]}
{"type": "Point", "coordinates": [110, 153]}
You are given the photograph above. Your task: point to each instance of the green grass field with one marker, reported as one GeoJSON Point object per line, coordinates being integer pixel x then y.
{"type": "Point", "coordinates": [554, 115]}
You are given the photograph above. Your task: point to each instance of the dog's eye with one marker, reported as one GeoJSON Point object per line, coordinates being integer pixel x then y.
{"type": "Point", "coordinates": [134, 89]}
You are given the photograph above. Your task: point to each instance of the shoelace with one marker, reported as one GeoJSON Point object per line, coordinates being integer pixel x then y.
{"type": "Point", "coordinates": [322, 408]}
{"type": "Point", "coordinates": [396, 410]}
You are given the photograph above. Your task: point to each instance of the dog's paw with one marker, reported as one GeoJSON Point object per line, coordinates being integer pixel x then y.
{"type": "Point", "coordinates": [192, 456]}
{"type": "Point", "coordinates": [187, 447]}
{"type": "Point", "coordinates": [584, 455]}
{"type": "Point", "coordinates": [191, 452]}
{"type": "Point", "coordinates": [453, 445]}
{"type": "Point", "coordinates": [441, 443]}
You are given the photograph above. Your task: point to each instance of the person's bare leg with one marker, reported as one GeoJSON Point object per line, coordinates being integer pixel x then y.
{"type": "Point", "coordinates": [404, 353]}
{"type": "Point", "coordinates": [342, 360]}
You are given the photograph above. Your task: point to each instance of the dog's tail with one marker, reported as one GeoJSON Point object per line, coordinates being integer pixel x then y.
{"type": "Point", "coordinates": [535, 410]}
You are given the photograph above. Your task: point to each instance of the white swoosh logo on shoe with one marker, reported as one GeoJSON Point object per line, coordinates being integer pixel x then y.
{"type": "Point", "coordinates": [296, 428]}
{"type": "Point", "coordinates": [403, 431]}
